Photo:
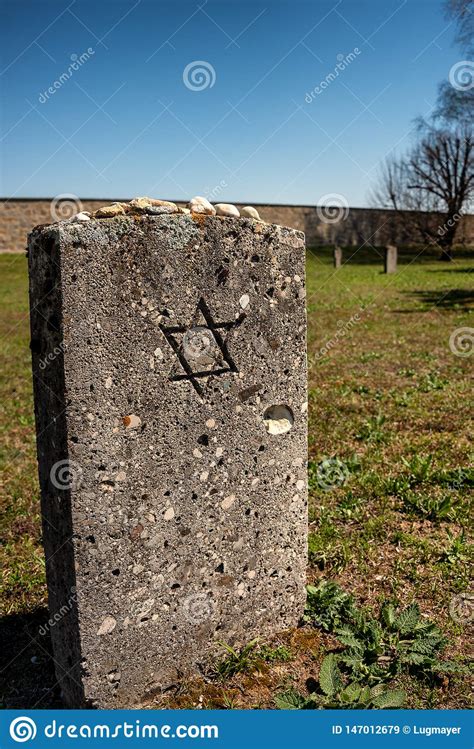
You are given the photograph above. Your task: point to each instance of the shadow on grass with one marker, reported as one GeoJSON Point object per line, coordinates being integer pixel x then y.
{"type": "Point", "coordinates": [449, 269]}
{"type": "Point", "coordinates": [27, 678]}
{"type": "Point", "coordinates": [458, 299]}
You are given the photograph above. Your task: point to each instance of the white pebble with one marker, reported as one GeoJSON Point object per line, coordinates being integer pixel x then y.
{"type": "Point", "coordinates": [244, 301]}
{"type": "Point", "coordinates": [81, 216]}
{"type": "Point", "coordinates": [107, 626]}
{"type": "Point", "coordinates": [132, 421]}
{"type": "Point", "coordinates": [249, 211]}
{"type": "Point", "coordinates": [169, 514]}
{"type": "Point", "coordinates": [201, 205]}
{"type": "Point", "coordinates": [226, 209]}
{"type": "Point", "coordinates": [228, 502]}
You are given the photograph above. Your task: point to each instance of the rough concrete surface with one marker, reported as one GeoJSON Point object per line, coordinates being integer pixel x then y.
{"type": "Point", "coordinates": [169, 359]}
{"type": "Point", "coordinates": [390, 259]}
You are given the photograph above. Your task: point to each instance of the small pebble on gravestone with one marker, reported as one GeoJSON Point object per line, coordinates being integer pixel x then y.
{"type": "Point", "coordinates": [226, 209]}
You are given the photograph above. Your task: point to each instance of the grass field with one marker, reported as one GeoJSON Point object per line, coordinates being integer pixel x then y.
{"type": "Point", "coordinates": [390, 486]}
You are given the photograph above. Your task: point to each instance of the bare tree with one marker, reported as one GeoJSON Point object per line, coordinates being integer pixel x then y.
{"type": "Point", "coordinates": [456, 95]}
{"type": "Point", "coordinates": [462, 11]}
{"type": "Point", "coordinates": [432, 186]}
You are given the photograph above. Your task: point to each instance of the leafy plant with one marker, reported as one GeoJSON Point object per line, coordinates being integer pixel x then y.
{"type": "Point", "coordinates": [455, 478]}
{"type": "Point", "coordinates": [418, 471]}
{"type": "Point", "coordinates": [361, 389]}
{"type": "Point", "coordinates": [327, 548]}
{"type": "Point", "coordinates": [404, 372]}
{"type": "Point", "coordinates": [251, 657]}
{"type": "Point", "coordinates": [372, 430]}
{"type": "Point", "coordinates": [432, 381]}
{"type": "Point", "coordinates": [340, 694]}
{"type": "Point", "coordinates": [419, 468]}
{"type": "Point", "coordinates": [328, 606]}
{"type": "Point", "coordinates": [350, 506]}
{"type": "Point", "coordinates": [370, 356]}
{"type": "Point", "coordinates": [402, 399]}
{"type": "Point", "coordinates": [398, 486]}
{"type": "Point", "coordinates": [459, 549]}
{"type": "Point", "coordinates": [236, 661]}
{"type": "Point", "coordinates": [379, 650]}
{"type": "Point", "coordinates": [278, 654]}
{"type": "Point", "coordinates": [291, 699]}
{"type": "Point", "coordinates": [335, 692]}
{"type": "Point", "coordinates": [431, 508]}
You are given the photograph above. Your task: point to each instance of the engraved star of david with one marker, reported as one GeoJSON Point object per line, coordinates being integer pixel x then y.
{"type": "Point", "coordinates": [201, 349]}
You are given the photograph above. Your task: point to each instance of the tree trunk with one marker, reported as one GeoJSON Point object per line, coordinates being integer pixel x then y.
{"type": "Point", "coordinates": [446, 254]}
{"type": "Point", "coordinates": [446, 241]}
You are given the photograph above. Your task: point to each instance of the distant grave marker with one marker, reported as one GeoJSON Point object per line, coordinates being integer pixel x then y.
{"type": "Point", "coordinates": [390, 260]}
{"type": "Point", "coordinates": [337, 256]}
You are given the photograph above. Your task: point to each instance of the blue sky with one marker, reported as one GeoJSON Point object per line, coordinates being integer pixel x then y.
{"type": "Point", "coordinates": [127, 121]}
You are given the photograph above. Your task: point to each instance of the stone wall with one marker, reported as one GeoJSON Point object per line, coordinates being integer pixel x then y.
{"type": "Point", "coordinates": [355, 226]}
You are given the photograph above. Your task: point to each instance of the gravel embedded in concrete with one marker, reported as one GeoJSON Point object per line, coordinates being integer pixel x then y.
{"type": "Point", "coordinates": [187, 507]}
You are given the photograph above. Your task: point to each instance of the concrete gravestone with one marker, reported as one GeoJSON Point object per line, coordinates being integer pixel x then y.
{"type": "Point", "coordinates": [390, 260]}
{"type": "Point", "coordinates": [169, 368]}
